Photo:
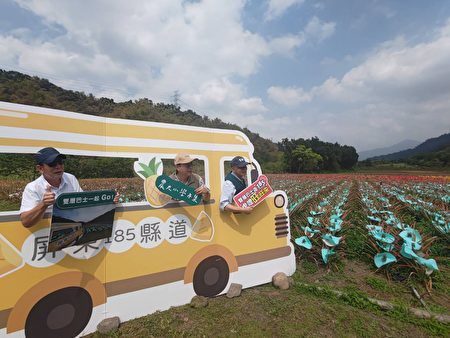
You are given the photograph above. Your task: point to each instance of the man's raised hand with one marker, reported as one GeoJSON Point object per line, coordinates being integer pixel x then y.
{"type": "Point", "coordinates": [49, 196]}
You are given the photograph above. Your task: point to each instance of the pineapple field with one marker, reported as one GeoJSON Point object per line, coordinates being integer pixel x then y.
{"type": "Point", "coordinates": [398, 224]}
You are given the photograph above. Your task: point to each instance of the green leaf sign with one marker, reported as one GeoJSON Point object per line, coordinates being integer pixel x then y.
{"type": "Point", "coordinates": [177, 190]}
{"type": "Point", "coordinates": [83, 199]}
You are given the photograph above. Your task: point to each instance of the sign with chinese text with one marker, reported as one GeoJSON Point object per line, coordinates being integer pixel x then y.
{"type": "Point", "coordinates": [85, 217]}
{"type": "Point", "coordinates": [254, 194]}
{"type": "Point", "coordinates": [85, 199]}
{"type": "Point", "coordinates": [177, 190]}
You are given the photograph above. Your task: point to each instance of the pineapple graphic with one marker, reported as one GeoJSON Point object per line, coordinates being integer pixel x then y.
{"type": "Point", "coordinates": [149, 173]}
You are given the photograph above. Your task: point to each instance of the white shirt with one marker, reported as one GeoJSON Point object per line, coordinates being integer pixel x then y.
{"type": "Point", "coordinates": [227, 194]}
{"type": "Point", "coordinates": [34, 191]}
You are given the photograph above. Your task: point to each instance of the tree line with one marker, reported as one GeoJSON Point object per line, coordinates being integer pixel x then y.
{"type": "Point", "coordinates": [313, 155]}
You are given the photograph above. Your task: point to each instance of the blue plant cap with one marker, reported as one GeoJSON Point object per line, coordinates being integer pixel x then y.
{"type": "Point", "coordinates": [384, 258]}
{"type": "Point", "coordinates": [338, 212]}
{"type": "Point", "coordinates": [445, 229]}
{"type": "Point", "coordinates": [407, 251]}
{"type": "Point", "coordinates": [375, 219]}
{"type": "Point", "coordinates": [313, 221]}
{"type": "Point", "coordinates": [335, 227]}
{"type": "Point", "coordinates": [304, 242]}
{"type": "Point", "coordinates": [412, 236]}
{"type": "Point", "coordinates": [331, 240]}
{"type": "Point", "coordinates": [372, 227]}
{"type": "Point", "coordinates": [336, 222]}
{"type": "Point", "coordinates": [391, 220]}
{"type": "Point", "coordinates": [326, 253]}
{"type": "Point", "coordinates": [334, 216]}
{"type": "Point", "coordinates": [383, 236]}
{"type": "Point", "coordinates": [310, 232]}
{"type": "Point", "coordinates": [429, 263]}
{"type": "Point", "coordinates": [385, 246]}
{"type": "Point", "coordinates": [400, 226]}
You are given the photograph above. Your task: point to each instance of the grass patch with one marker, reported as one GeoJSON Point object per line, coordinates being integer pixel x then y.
{"type": "Point", "coordinates": [376, 283]}
{"type": "Point", "coordinates": [355, 243]}
{"type": "Point", "coordinates": [440, 280]}
{"type": "Point", "coordinates": [309, 267]}
{"type": "Point", "coordinates": [432, 326]}
{"type": "Point", "coordinates": [356, 298]}
{"type": "Point", "coordinates": [302, 311]}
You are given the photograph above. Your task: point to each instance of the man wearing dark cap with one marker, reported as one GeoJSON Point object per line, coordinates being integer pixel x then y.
{"type": "Point", "coordinates": [234, 184]}
{"type": "Point", "coordinates": [42, 192]}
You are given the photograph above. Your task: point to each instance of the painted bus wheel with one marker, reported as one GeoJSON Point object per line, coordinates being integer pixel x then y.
{"type": "Point", "coordinates": [63, 313]}
{"type": "Point", "coordinates": [211, 276]}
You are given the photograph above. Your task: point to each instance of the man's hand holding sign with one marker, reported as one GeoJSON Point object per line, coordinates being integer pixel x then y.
{"type": "Point", "coordinates": [254, 194]}
{"type": "Point", "coordinates": [177, 190]}
{"type": "Point", "coordinates": [81, 217]}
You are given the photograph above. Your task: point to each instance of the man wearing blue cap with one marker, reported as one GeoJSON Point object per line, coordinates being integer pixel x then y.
{"type": "Point", "coordinates": [234, 184]}
{"type": "Point", "coordinates": [42, 192]}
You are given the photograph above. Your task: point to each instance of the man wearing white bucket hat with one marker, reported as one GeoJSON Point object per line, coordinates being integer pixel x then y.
{"type": "Point", "coordinates": [184, 174]}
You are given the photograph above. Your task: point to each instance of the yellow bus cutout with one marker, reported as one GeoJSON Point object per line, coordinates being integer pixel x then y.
{"type": "Point", "coordinates": [161, 252]}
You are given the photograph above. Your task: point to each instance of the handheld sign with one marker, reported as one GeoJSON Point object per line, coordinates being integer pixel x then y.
{"type": "Point", "coordinates": [177, 190]}
{"type": "Point", "coordinates": [254, 194]}
{"type": "Point", "coordinates": [81, 217]}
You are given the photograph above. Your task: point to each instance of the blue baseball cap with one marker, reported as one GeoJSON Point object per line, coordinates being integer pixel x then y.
{"type": "Point", "coordinates": [47, 155]}
{"type": "Point", "coordinates": [239, 162]}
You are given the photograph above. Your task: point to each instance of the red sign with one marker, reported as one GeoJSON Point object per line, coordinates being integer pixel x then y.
{"type": "Point", "coordinates": [254, 194]}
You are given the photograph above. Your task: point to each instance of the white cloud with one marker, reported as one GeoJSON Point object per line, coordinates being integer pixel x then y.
{"type": "Point", "coordinates": [289, 96]}
{"type": "Point", "coordinates": [319, 5]}
{"type": "Point", "coordinates": [319, 30]}
{"type": "Point", "coordinates": [276, 8]}
{"type": "Point", "coordinates": [397, 73]}
{"type": "Point", "coordinates": [252, 104]}
{"type": "Point", "coordinates": [400, 91]}
{"type": "Point", "coordinates": [222, 96]}
{"type": "Point", "coordinates": [150, 48]}
{"type": "Point", "coordinates": [286, 44]}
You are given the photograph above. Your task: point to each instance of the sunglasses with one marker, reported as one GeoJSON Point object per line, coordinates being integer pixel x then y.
{"type": "Point", "coordinates": [188, 165]}
{"type": "Point", "coordinates": [56, 162]}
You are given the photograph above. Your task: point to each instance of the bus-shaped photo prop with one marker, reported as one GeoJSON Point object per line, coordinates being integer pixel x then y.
{"type": "Point", "coordinates": [162, 250]}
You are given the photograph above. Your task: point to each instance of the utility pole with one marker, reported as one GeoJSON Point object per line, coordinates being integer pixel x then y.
{"type": "Point", "coordinates": [176, 99]}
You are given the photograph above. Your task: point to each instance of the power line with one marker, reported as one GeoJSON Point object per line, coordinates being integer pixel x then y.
{"type": "Point", "coordinates": [77, 85]}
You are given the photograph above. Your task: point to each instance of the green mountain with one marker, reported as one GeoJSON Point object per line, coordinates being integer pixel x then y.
{"type": "Point", "coordinates": [435, 159]}
{"type": "Point", "coordinates": [429, 146]}
{"type": "Point", "coordinates": [16, 87]}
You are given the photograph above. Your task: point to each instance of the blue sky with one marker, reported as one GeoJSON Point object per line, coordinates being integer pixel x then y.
{"type": "Point", "coordinates": [362, 73]}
